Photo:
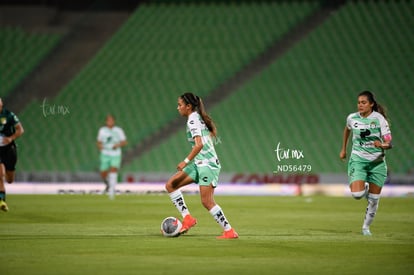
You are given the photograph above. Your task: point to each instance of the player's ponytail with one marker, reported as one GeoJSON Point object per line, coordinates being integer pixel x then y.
{"type": "Point", "coordinates": [376, 107]}
{"type": "Point", "coordinates": [198, 105]}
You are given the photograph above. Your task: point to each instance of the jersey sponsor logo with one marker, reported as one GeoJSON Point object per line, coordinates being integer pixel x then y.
{"type": "Point", "coordinates": [369, 144]}
{"type": "Point", "coordinates": [372, 125]}
{"type": "Point", "coordinates": [364, 133]}
{"type": "Point", "coordinates": [3, 122]}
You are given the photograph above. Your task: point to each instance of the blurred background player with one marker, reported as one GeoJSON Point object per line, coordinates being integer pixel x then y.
{"type": "Point", "coordinates": [110, 140]}
{"type": "Point", "coordinates": [10, 130]}
{"type": "Point", "coordinates": [367, 169]}
{"type": "Point", "coordinates": [200, 166]}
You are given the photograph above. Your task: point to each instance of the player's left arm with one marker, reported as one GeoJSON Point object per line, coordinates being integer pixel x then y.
{"type": "Point", "coordinates": [194, 151]}
{"type": "Point", "coordinates": [17, 133]}
{"type": "Point", "coordinates": [386, 137]}
{"type": "Point", "coordinates": [120, 144]}
{"type": "Point", "coordinates": [123, 139]}
{"type": "Point", "coordinates": [386, 142]}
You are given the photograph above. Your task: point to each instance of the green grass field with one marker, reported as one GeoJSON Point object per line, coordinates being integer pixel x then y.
{"type": "Point", "coordinates": [89, 234]}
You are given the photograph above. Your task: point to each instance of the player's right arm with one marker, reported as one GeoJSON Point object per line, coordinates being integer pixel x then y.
{"type": "Point", "coordinates": [386, 139]}
{"type": "Point", "coordinates": [99, 143]}
{"type": "Point", "coordinates": [345, 137]}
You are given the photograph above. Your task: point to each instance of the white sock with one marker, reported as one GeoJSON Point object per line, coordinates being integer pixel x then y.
{"type": "Point", "coordinates": [112, 180]}
{"type": "Point", "coordinates": [373, 200]}
{"type": "Point", "coordinates": [218, 215]}
{"type": "Point", "coordinates": [178, 200]}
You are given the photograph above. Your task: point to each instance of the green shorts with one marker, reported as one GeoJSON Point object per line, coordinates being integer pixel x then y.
{"type": "Point", "coordinates": [203, 176]}
{"type": "Point", "coordinates": [110, 161]}
{"type": "Point", "coordinates": [372, 172]}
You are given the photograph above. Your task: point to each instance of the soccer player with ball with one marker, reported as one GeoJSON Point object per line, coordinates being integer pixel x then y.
{"type": "Point", "coordinates": [367, 169]}
{"type": "Point", "coordinates": [200, 166]}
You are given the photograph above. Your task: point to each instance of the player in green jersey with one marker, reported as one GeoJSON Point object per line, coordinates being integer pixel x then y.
{"type": "Point", "coordinates": [367, 169]}
{"type": "Point", "coordinates": [110, 140]}
{"type": "Point", "coordinates": [200, 166]}
{"type": "Point", "coordinates": [10, 130]}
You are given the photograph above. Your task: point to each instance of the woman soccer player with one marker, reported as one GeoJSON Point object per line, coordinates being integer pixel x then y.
{"type": "Point", "coordinates": [10, 130]}
{"type": "Point", "coordinates": [200, 166]}
{"type": "Point", "coordinates": [110, 140]}
{"type": "Point", "coordinates": [367, 169]}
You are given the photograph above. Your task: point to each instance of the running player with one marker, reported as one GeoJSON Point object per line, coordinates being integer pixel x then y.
{"type": "Point", "coordinates": [367, 169]}
{"type": "Point", "coordinates": [10, 130]}
{"type": "Point", "coordinates": [200, 166]}
{"type": "Point", "coordinates": [110, 140]}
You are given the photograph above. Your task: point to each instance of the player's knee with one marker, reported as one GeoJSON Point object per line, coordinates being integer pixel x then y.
{"type": "Point", "coordinates": [168, 187]}
{"type": "Point", "coordinates": [171, 185]}
{"type": "Point", "coordinates": [358, 194]}
{"type": "Point", "coordinates": [207, 204]}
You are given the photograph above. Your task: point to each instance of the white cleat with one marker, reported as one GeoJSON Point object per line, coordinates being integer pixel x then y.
{"type": "Point", "coordinates": [366, 232]}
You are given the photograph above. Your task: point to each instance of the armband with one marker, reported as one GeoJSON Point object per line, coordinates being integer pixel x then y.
{"type": "Point", "coordinates": [387, 137]}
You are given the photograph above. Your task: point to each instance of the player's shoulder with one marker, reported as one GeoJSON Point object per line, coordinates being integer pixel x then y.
{"type": "Point", "coordinates": [354, 115]}
{"type": "Point", "coordinates": [13, 117]}
{"type": "Point", "coordinates": [194, 115]}
{"type": "Point", "coordinates": [377, 115]}
{"type": "Point", "coordinates": [118, 128]}
{"type": "Point", "coordinates": [103, 129]}
{"type": "Point", "coordinates": [193, 118]}
{"type": "Point", "coordinates": [7, 113]}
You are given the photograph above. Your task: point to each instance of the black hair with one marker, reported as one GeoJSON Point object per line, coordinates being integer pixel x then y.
{"type": "Point", "coordinates": [376, 107]}
{"type": "Point", "coordinates": [197, 105]}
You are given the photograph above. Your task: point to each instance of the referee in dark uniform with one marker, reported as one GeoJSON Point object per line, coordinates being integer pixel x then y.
{"type": "Point", "coordinates": [10, 130]}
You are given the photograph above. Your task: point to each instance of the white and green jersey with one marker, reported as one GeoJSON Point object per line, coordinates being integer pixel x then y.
{"type": "Point", "coordinates": [109, 137]}
{"type": "Point", "coordinates": [207, 156]}
{"type": "Point", "coordinates": [365, 130]}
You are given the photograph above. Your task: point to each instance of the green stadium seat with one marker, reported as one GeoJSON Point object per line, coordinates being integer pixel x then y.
{"type": "Point", "coordinates": [301, 100]}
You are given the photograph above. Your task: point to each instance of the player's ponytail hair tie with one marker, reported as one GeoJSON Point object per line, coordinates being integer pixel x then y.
{"type": "Point", "coordinates": [192, 99]}
{"type": "Point", "coordinates": [198, 105]}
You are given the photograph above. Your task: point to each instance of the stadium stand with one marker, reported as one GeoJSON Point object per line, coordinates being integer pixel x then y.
{"type": "Point", "coordinates": [303, 98]}
{"type": "Point", "coordinates": [300, 101]}
{"type": "Point", "coordinates": [21, 51]}
{"type": "Point", "coordinates": [147, 64]}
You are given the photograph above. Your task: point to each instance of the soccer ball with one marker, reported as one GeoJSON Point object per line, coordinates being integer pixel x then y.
{"type": "Point", "coordinates": [171, 226]}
